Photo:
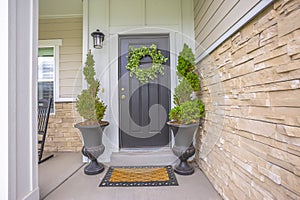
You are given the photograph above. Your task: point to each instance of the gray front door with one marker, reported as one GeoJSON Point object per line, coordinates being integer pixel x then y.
{"type": "Point", "coordinates": [143, 108]}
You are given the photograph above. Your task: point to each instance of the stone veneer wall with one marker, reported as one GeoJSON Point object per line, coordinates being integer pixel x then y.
{"type": "Point", "coordinates": [251, 89]}
{"type": "Point", "coordinates": [61, 134]}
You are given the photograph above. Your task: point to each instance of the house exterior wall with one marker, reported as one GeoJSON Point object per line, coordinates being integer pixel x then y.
{"type": "Point", "coordinates": [251, 90]}
{"type": "Point", "coordinates": [61, 134]}
{"type": "Point", "coordinates": [214, 18]}
{"type": "Point", "coordinates": [112, 17]}
{"type": "Point", "coordinates": [60, 8]}
{"type": "Point", "coordinates": [70, 58]}
{"type": "Point", "coordinates": [119, 17]}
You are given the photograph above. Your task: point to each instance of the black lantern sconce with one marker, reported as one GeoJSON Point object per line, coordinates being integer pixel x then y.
{"type": "Point", "coordinates": [98, 38]}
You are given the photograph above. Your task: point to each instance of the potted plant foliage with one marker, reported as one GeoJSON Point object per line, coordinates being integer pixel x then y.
{"type": "Point", "coordinates": [188, 111]}
{"type": "Point", "coordinates": [92, 109]}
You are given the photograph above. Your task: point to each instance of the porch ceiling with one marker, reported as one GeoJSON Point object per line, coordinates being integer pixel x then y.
{"type": "Point", "coordinates": [60, 8]}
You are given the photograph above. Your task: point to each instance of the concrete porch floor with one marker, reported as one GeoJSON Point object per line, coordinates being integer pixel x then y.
{"type": "Point", "coordinates": [62, 178]}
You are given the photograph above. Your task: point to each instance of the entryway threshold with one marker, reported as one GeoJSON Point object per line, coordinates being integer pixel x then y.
{"type": "Point", "coordinates": [146, 150]}
{"type": "Point", "coordinates": [129, 157]}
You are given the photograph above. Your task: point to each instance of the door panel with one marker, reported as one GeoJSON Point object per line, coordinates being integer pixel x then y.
{"type": "Point", "coordinates": [143, 108]}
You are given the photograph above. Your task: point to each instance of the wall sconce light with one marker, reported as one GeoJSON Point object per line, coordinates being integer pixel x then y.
{"type": "Point", "coordinates": [98, 38]}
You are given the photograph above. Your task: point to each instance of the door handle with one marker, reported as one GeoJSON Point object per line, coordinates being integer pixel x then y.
{"type": "Point", "coordinates": [122, 89]}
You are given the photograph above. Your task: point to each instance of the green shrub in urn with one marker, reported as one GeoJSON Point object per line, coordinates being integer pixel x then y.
{"type": "Point", "coordinates": [88, 104]}
{"type": "Point", "coordinates": [188, 109]}
{"type": "Point", "coordinates": [188, 112]}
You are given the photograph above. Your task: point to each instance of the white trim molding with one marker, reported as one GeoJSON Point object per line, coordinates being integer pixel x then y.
{"type": "Point", "coordinates": [65, 100]}
{"type": "Point", "coordinates": [50, 43]}
{"type": "Point", "coordinates": [22, 100]}
{"type": "Point", "coordinates": [250, 15]}
{"type": "Point", "coordinates": [60, 16]}
{"type": "Point", "coordinates": [55, 43]}
{"type": "Point", "coordinates": [4, 103]}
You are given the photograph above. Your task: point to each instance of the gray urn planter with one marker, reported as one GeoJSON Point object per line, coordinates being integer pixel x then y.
{"type": "Point", "coordinates": [93, 147]}
{"type": "Point", "coordinates": [183, 147]}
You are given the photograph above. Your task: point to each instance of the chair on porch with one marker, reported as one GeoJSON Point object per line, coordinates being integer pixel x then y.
{"type": "Point", "coordinates": [44, 106]}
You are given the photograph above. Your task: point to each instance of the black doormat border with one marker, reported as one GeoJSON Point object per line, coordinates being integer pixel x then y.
{"type": "Point", "coordinates": [171, 182]}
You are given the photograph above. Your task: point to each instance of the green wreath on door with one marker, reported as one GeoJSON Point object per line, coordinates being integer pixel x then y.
{"type": "Point", "coordinates": [145, 75]}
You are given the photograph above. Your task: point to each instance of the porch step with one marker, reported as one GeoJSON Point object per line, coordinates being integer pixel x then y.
{"type": "Point", "coordinates": [139, 158]}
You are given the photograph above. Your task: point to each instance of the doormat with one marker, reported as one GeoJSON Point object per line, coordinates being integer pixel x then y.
{"type": "Point", "coordinates": [139, 176]}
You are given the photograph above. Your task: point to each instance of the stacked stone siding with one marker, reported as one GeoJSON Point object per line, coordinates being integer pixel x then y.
{"type": "Point", "coordinates": [251, 89]}
{"type": "Point", "coordinates": [61, 134]}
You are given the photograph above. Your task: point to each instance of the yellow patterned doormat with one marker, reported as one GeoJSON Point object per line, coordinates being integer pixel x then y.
{"type": "Point", "coordinates": [139, 176]}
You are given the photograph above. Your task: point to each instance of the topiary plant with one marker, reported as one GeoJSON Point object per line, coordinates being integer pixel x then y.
{"type": "Point", "coordinates": [186, 67]}
{"type": "Point", "coordinates": [182, 92]}
{"type": "Point", "coordinates": [191, 111]}
{"type": "Point", "coordinates": [88, 104]}
{"type": "Point", "coordinates": [187, 110]}
{"type": "Point", "coordinates": [175, 114]}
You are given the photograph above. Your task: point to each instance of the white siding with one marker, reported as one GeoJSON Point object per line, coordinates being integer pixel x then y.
{"type": "Point", "coordinates": [147, 12]}
{"type": "Point", "coordinates": [157, 14]}
{"type": "Point", "coordinates": [121, 13]}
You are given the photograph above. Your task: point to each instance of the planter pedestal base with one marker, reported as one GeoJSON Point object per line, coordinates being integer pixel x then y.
{"type": "Point", "coordinates": [93, 147]}
{"type": "Point", "coordinates": [183, 168]}
{"type": "Point", "coordinates": [93, 153]}
{"type": "Point", "coordinates": [94, 168]}
{"type": "Point", "coordinates": [183, 147]}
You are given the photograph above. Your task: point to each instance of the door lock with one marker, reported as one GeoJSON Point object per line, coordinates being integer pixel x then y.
{"type": "Point", "coordinates": [123, 97]}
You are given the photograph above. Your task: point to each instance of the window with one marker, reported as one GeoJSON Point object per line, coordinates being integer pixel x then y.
{"type": "Point", "coordinates": [47, 70]}
{"type": "Point", "coordinates": [46, 66]}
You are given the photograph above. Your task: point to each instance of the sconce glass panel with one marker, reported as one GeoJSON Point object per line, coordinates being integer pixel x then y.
{"type": "Point", "coordinates": [98, 38]}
